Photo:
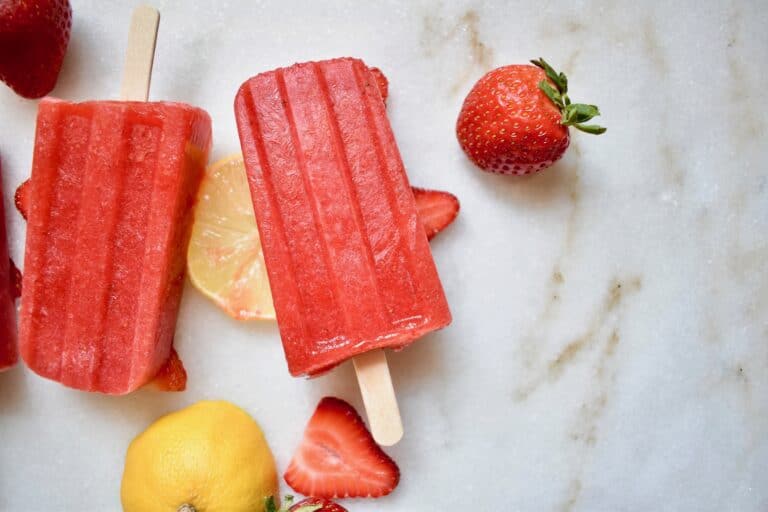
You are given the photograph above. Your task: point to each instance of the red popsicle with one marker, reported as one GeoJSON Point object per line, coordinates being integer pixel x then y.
{"type": "Point", "coordinates": [348, 260]}
{"type": "Point", "coordinates": [113, 185]}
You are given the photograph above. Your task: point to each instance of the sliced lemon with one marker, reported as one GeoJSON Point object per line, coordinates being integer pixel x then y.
{"type": "Point", "coordinates": [224, 259]}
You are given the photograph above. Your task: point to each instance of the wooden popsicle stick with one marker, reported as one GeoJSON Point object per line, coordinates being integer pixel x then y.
{"type": "Point", "coordinates": [379, 397]}
{"type": "Point", "coordinates": [140, 54]}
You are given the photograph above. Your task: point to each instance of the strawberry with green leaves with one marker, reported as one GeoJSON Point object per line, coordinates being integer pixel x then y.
{"type": "Point", "coordinates": [515, 119]}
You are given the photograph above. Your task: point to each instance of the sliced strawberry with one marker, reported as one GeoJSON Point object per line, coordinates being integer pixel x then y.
{"type": "Point", "coordinates": [172, 376]}
{"type": "Point", "coordinates": [310, 503]}
{"type": "Point", "coordinates": [15, 277]}
{"type": "Point", "coordinates": [436, 209]}
{"type": "Point", "coordinates": [22, 198]}
{"type": "Point", "coordinates": [338, 457]}
{"type": "Point", "coordinates": [34, 35]}
{"type": "Point", "coordinates": [382, 82]}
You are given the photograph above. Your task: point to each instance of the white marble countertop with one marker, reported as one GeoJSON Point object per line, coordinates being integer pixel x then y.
{"type": "Point", "coordinates": [610, 336]}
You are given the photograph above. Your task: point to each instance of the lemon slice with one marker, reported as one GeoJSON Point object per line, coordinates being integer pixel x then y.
{"type": "Point", "coordinates": [224, 259]}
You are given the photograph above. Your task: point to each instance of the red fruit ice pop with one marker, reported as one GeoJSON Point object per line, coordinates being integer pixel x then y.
{"type": "Point", "coordinates": [112, 189]}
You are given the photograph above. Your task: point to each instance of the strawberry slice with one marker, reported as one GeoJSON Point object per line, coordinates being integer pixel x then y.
{"type": "Point", "coordinates": [338, 458]}
{"type": "Point", "coordinates": [172, 376]}
{"type": "Point", "coordinates": [382, 82]}
{"type": "Point", "coordinates": [22, 198]}
{"type": "Point", "coordinates": [436, 209]}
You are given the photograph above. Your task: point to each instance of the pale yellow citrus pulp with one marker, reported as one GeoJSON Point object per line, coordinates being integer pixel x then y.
{"type": "Point", "coordinates": [224, 259]}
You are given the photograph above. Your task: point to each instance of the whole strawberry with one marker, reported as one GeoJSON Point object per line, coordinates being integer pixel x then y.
{"type": "Point", "coordinates": [317, 505]}
{"type": "Point", "coordinates": [34, 35]}
{"type": "Point", "coordinates": [515, 119]}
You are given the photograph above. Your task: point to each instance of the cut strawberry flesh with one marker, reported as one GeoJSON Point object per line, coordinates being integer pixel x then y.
{"type": "Point", "coordinates": [338, 457]}
{"type": "Point", "coordinates": [8, 339]}
{"type": "Point", "coordinates": [172, 376]}
{"type": "Point", "coordinates": [436, 209]}
{"type": "Point", "coordinates": [21, 198]}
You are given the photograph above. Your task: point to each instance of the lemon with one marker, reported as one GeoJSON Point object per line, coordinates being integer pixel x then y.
{"type": "Point", "coordinates": [224, 259]}
{"type": "Point", "coordinates": [209, 457]}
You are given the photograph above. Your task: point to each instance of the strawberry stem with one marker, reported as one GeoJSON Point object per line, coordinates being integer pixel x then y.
{"type": "Point", "coordinates": [590, 128]}
{"type": "Point", "coordinates": [573, 114]}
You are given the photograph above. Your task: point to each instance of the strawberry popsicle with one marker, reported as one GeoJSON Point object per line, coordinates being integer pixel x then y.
{"type": "Point", "coordinates": [8, 351]}
{"type": "Point", "coordinates": [112, 189]}
{"type": "Point", "coordinates": [348, 260]}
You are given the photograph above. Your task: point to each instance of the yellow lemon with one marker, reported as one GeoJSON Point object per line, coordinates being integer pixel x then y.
{"type": "Point", "coordinates": [224, 259]}
{"type": "Point", "coordinates": [209, 457]}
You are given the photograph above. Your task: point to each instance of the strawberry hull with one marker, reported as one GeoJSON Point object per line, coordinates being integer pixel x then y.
{"type": "Point", "coordinates": [8, 351]}
{"type": "Point", "coordinates": [112, 190]}
{"type": "Point", "coordinates": [348, 260]}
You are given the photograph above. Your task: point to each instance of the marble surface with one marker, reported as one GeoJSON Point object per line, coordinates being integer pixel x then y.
{"type": "Point", "coordinates": [610, 340]}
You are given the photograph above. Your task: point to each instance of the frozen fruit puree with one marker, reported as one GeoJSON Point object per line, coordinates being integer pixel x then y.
{"type": "Point", "coordinates": [8, 351]}
{"type": "Point", "coordinates": [348, 260]}
{"type": "Point", "coordinates": [112, 189]}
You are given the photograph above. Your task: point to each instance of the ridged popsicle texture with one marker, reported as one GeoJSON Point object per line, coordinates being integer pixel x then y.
{"type": "Point", "coordinates": [8, 350]}
{"type": "Point", "coordinates": [348, 261]}
{"type": "Point", "coordinates": [113, 187]}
